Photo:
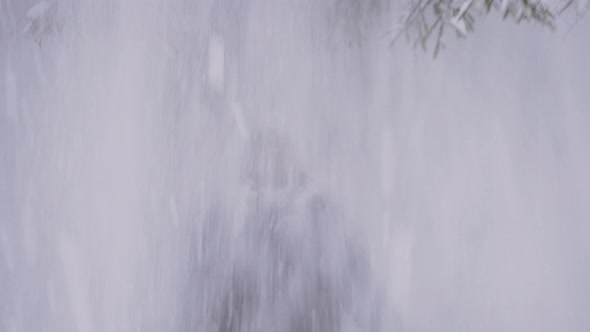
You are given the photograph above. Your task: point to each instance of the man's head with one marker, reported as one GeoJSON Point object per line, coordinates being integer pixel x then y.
{"type": "Point", "coordinates": [269, 164]}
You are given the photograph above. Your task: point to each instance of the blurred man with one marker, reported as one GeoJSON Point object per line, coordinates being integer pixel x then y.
{"type": "Point", "coordinates": [294, 270]}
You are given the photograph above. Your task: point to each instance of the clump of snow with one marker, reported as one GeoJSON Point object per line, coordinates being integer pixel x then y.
{"type": "Point", "coordinates": [39, 10]}
{"type": "Point", "coordinates": [458, 22]}
{"type": "Point", "coordinates": [216, 63]}
{"type": "Point", "coordinates": [459, 25]}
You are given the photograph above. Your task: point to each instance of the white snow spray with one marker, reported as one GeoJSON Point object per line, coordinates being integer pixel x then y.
{"type": "Point", "coordinates": [276, 166]}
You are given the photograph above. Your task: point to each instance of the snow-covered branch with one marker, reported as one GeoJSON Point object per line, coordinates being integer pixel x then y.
{"type": "Point", "coordinates": [423, 17]}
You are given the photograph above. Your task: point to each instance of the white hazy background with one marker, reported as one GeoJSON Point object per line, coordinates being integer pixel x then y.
{"type": "Point", "coordinates": [465, 177]}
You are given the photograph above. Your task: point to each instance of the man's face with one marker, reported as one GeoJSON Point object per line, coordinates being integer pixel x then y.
{"type": "Point", "coordinates": [268, 164]}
